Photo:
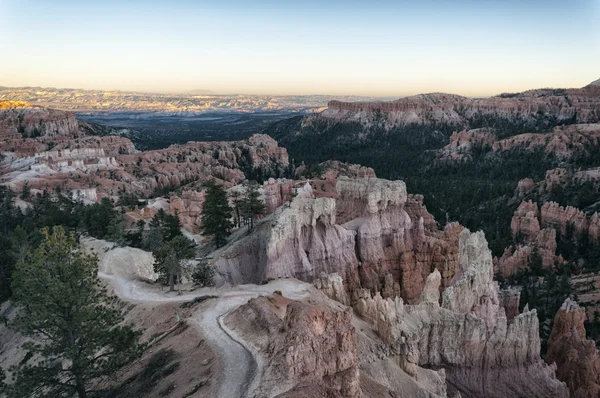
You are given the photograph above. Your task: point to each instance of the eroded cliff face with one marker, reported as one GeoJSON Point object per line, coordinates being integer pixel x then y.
{"type": "Point", "coordinates": [563, 142]}
{"type": "Point", "coordinates": [48, 149]}
{"type": "Point", "coordinates": [21, 120]}
{"type": "Point", "coordinates": [577, 105]}
{"type": "Point", "coordinates": [307, 349]}
{"type": "Point", "coordinates": [577, 358]}
{"type": "Point", "coordinates": [363, 233]}
{"type": "Point", "coordinates": [469, 335]}
{"type": "Point", "coordinates": [537, 231]}
{"type": "Point", "coordinates": [531, 223]}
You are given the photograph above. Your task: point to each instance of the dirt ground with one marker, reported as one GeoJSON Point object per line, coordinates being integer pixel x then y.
{"type": "Point", "coordinates": [180, 365]}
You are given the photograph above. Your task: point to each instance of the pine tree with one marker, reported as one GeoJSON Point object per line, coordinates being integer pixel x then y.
{"type": "Point", "coordinates": [26, 191]}
{"type": "Point", "coordinates": [172, 226]}
{"type": "Point", "coordinates": [153, 240]}
{"type": "Point", "coordinates": [8, 260]}
{"type": "Point", "coordinates": [253, 205]}
{"type": "Point", "coordinates": [203, 274]}
{"type": "Point", "coordinates": [76, 332]}
{"type": "Point", "coordinates": [115, 232]}
{"type": "Point", "coordinates": [237, 199]}
{"type": "Point", "coordinates": [216, 214]}
{"type": "Point", "coordinates": [172, 257]}
{"type": "Point", "coordinates": [169, 225]}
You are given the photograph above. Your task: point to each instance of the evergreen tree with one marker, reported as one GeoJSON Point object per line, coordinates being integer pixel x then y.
{"type": "Point", "coordinates": [216, 214]}
{"type": "Point", "coordinates": [153, 240]}
{"type": "Point", "coordinates": [203, 274]}
{"type": "Point", "coordinates": [172, 258]}
{"type": "Point", "coordinates": [20, 243]}
{"type": "Point", "coordinates": [253, 205]}
{"type": "Point", "coordinates": [172, 226]}
{"type": "Point", "coordinates": [115, 232]}
{"type": "Point", "coordinates": [237, 205]}
{"type": "Point", "coordinates": [169, 225]}
{"type": "Point", "coordinates": [135, 239]}
{"type": "Point", "coordinates": [76, 332]}
{"type": "Point", "coordinates": [7, 264]}
{"type": "Point", "coordinates": [26, 191]}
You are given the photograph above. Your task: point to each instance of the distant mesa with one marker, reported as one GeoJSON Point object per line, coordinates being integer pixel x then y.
{"type": "Point", "coordinates": [595, 83]}
{"type": "Point", "coordinates": [199, 91]}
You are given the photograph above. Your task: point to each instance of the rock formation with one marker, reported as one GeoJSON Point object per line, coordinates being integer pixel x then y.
{"type": "Point", "coordinates": [563, 142]}
{"type": "Point", "coordinates": [581, 105]}
{"type": "Point", "coordinates": [576, 357]}
{"type": "Point", "coordinates": [306, 348]}
{"type": "Point", "coordinates": [364, 233]}
{"type": "Point", "coordinates": [50, 149]}
{"type": "Point", "coordinates": [564, 219]}
{"type": "Point", "coordinates": [537, 231]}
{"type": "Point", "coordinates": [125, 262]}
{"type": "Point", "coordinates": [462, 143]}
{"type": "Point", "coordinates": [333, 287]}
{"type": "Point", "coordinates": [276, 193]}
{"type": "Point", "coordinates": [469, 335]}
{"type": "Point", "coordinates": [26, 121]}
{"type": "Point", "coordinates": [525, 221]}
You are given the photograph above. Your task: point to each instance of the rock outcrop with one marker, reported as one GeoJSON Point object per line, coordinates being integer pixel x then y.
{"type": "Point", "coordinates": [333, 287]}
{"type": "Point", "coordinates": [124, 262]}
{"type": "Point", "coordinates": [577, 105]}
{"type": "Point", "coordinates": [525, 221]}
{"type": "Point", "coordinates": [565, 220]}
{"type": "Point", "coordinates": [469, 335]}
{"type": "Point", "coordinates": [576, 357]}
{"type": "Point", "coordinates": [363, 233]}
{"type": "Point", "coordinates": [563, 142]}
{"type": "Point", "coordinates": [49, 149]}
{"type": "Point", "coordinates": [462, 144]}
{"type": "Point", "coordinates": [276, 193]}
{"type": "Point", "coordinates": [26, 121]}
{"type": "Point", "coordinates": [305, 347]}
{"type": "Point", "coordinates": [188, 207]}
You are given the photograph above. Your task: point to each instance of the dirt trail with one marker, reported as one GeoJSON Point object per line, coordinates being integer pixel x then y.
{"type": "Point", "coordinates": [241, 369]}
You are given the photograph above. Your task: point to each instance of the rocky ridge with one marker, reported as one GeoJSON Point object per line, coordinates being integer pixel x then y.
{"type": "Point", "coordinates": [364, 233]}
{"type": "Point", "coordinates": [577, 358]}
{"type": "Point", "coordinates": [579, 105]}
{"type": "Point", "coordinates": [537, 231]}
{"type": "Point", "coordinates": [563, 142]}
{"type": "Point", "coordinates": [63, 156]}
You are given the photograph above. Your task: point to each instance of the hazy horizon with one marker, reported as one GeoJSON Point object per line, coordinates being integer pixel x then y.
{"type": "Point", "coordinates": [380, 48]}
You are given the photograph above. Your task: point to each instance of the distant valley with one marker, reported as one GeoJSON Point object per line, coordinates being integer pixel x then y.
{"type": "Point", "coordinates": [195, 101]}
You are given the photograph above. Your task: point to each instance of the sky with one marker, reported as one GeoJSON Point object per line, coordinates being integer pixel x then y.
{"type": "Point", "coordinates": [332, 47]}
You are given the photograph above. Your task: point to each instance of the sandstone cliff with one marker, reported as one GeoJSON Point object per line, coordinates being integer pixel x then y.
{"type": "Point", "coordinates": [577, 358]}
{"type": "Point", "coordinates": [564, 142]}
{"type": "Point", "coordinates": [578, 105]}
{"type": "Point", "coordinates": [21, 119]}
{"type": "Point", "coordinates": [537, 231]}
{"type": "Point", "coordinates": [469, 335]}
{"type": "Point", "coordinates": [48, 149]}
{"type": "Point", "coordinates": [364, 233]}
{"type": "Point", "coordinates": [307, 349]}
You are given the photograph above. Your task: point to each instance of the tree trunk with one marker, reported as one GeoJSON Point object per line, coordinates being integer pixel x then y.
{"type": "Point", "coordinates": [80, 386]}
{"type": "Point", "coordinates": [171, 282]}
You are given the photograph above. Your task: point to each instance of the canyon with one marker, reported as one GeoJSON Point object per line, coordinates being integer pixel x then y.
{"type": "Point", "coordinates": [348, 286]}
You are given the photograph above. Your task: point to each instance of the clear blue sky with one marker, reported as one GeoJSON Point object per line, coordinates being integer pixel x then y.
{"type": "Point", "coordinates": [375, 47]}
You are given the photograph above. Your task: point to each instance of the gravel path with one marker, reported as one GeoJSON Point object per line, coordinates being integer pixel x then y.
{"type": "Point", "coordinates": [241, 369]}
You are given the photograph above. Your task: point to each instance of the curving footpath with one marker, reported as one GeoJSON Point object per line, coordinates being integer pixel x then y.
{"type": "Point", "coordinates": [241, 366]}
